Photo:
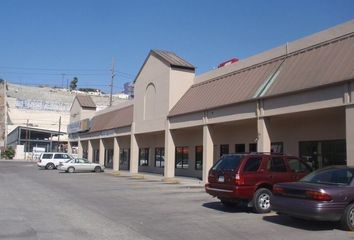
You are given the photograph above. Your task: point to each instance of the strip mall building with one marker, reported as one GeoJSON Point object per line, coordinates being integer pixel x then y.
{"type": "Point", "coordinates": [297, 99]}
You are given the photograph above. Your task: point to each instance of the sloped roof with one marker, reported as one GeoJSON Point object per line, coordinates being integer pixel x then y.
{"type": "Point", "coordinates": [319, 65]}
{"type": "Point", "coordinates": [169, 58]}
{"type": "Point", "coordinates": [85, 101]}
{"type": "Point", "coordinates": [172, 59]}
{"type": "Point", "coordinates": [117, 118]}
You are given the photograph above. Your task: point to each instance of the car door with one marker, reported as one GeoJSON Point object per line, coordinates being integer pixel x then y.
{"type": "Point", "coordinates": [86, 165]}
{"type": "Point", "coordinates": [277, 170]}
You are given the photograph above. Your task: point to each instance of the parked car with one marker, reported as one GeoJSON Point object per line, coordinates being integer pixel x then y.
{"type": "Point", "coordinates": [80, 165]}
{"type": "Point", "coordinates": [51, 160]}
{"type": "Point", "coordinates": [250, 178]}
{"type": "Point", "coordinates": [326, 195]}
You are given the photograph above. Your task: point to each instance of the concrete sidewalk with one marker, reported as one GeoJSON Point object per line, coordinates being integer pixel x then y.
{"type": "Point", "coordinates": [186, 181]}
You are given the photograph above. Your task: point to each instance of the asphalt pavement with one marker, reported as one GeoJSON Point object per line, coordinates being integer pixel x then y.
{"type": "Point", "coordinates": [43, 204]}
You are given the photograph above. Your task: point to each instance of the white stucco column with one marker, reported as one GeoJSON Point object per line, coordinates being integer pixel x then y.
{"type": "Point", "coordinates": [169, 168]}
{"type": "Point", "coordinates": [134, 151]}
{"type": "Point", "coordinates": [349, 132]}
{"type": "Point", "coordinates": [80, 150]}
{"type": "Point", "coordinates": [102, 152]}
{"type": "Point", "coordinates": [70, 150]}
{"type": "Point", "coordinates": [208, 152]}
{"type": "Point", "coordinates": [89, 151]}
{"type": "Point", "coordinates": [263, 142]}
{"type": "Point", "coordinates": [116, 154]}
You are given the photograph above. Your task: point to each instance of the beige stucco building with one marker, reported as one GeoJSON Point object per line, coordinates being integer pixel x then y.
{"type": "Point", "coordinates": [297, 99]}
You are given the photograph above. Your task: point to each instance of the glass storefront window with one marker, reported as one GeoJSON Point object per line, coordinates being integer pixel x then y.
{"type": "Point", "coordinates": [124, 159]}
{"type": "Point", "coordinates": [144, 157]}
{"type": "Point", "coordinates": [198, 157]}
{"type": "Point", "coordinates": [182, 157]}
{"type": "Point", "coordinates": [108, 158]}
{"type": "Point", "coordinates": [159, 157]}
{"type": "Point", "coordinates": [320, 154]}
{"type": "Point", "coordinates": [240, 148]}
{"type": "Point", "coordinates": [224, 149]}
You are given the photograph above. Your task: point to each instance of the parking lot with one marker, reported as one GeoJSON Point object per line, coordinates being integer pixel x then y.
{"type": "Point", "coordinates": [43, 204]}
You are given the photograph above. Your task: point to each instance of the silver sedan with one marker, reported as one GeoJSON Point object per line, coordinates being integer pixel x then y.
{"type": "Point", "coordinates": [80, 165]}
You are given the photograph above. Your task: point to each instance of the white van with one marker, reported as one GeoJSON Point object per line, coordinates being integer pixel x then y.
{"type": "Point", "coordinates": [51, 160]}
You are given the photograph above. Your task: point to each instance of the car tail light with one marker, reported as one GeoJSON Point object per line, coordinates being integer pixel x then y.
{"type": "Point", "coordinates": [239, 179]}
{"type": "Point", "coordinates": [318, 196]}
{"type": "Point", "coordinates": [278, 190]}
{"type": "Point", "coordinates": [39, 161]}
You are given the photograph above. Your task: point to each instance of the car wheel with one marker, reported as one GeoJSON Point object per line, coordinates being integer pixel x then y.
{"type": "Point", "coordinates": [261, 200]}
{"type": "Point", "coordinates": [97, 169]}
{"type": "Point", "coordinates": [347, 219]}
{"type": "Point", "coordinates": [71, 169]}
{"type": "Point", "coordinates": [50, 166]}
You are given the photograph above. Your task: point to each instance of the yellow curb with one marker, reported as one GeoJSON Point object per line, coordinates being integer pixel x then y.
{"type": "Point", "coordinates": [137, 176]}
{"type": "Point", "coordinates": [170, 181]}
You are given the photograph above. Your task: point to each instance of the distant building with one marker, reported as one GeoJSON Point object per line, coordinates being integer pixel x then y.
{"type": "Point", "coordinates": [129, 89]}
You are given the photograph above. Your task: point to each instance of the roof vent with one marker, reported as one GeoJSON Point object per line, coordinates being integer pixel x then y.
{"type": "Point", "coordinates": [228, 62]}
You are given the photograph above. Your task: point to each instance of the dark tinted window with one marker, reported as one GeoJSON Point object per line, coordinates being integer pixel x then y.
{"type": "Point", "coordinates": [252, 164]}
{"type": "Point", "coordinates": [58, 156]}
{"type": "Point", "coordinates": [252, 147]}
{"type": "Point", "coordinates": [276, 164]}
{"type": "Point", "coordinates": [224, 149]}
{"type": "Point", "coordinates": [228, 162]}
{"type": "Point", "coordinates": [296, 165]}
{"type": "Point", "coordinates": [47, 156]}
{"type": "Point", "coordinates": [240, 148]}
{"type": "Point", "coordinates": [330, 176]}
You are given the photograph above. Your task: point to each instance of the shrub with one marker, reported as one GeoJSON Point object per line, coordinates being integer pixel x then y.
{"type": "Point", "coordinates": [9, 153]}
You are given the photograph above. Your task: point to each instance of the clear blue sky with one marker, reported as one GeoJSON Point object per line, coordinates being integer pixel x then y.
{"type": "Point", "coordinates": [41, 39]}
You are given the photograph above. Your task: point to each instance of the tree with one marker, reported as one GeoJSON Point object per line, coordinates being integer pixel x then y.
{"type": "Point", "coordinates": [73, 83]}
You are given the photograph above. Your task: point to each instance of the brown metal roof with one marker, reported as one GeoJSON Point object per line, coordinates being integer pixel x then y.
{"type": "Point", "coordinates": [233, 88]}
{"type": "Point", "coordinates": [172, 59]}
{"type": "Point", "coordinates": [114, 119]}
{"type": "Point", "coordinates": [314, 67]}
{"type": "Point", "coordinates": [85, 101]}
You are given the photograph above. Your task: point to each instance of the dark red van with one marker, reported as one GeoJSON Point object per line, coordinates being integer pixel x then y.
{"type": "Point", "coordinates": [250, 177]}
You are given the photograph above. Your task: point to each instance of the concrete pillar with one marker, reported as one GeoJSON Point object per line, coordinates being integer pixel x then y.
{"type": "Point", "coordinates": [349, 132]}
{"type": "Point", "coordinates": [80, 149]}
{"type": "Point", "coordinates": [134, 151]}
{"type": "Point", "coordinates": [169, 169]}
{"type": "Point", "coordinates": [263, 142]}
{"type": "Point", "coordinates": [102, 152]}
{"type": "Point", "coordinates": [208, 152]}
{"type": "Point", "coordinates": [116, 154]}
{"type": "Point", "coordinates": [70, 150]}
{"type": "Point", "coordinates": [89, 151]}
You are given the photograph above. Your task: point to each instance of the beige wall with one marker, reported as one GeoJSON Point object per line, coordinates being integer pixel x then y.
{"type": "Point", "coordinates": [156, 91]}
{"type": "Point", "coordinates": [157, 74]}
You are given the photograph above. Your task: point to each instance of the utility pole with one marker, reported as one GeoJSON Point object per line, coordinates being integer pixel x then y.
{"type": "Point", "coordinates": [59, 133]}
{"type": "Point", "coordinates": [62, 80]}
{"type": "Point", "coordinates": [111, 85]}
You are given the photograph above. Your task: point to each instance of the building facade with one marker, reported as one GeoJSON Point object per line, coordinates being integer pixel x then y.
{"type": "Point", "coordinates": [296, 99]}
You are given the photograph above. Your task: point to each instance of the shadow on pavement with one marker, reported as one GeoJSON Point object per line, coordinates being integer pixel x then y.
{"type": "Point", "coordinates": [301, 223]}
{"type": "Point", "coordinates": [238, 208]}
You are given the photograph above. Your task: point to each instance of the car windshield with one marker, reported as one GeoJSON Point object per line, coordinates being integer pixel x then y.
{"type": "Point", "coordinates": [67, 161]}
{"type": "Point", "coordinates": [228, 163]}
{"type": "Point", "coordinates": [330, 176]}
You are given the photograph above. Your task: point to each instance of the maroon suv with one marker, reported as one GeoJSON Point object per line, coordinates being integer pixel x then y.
{"type": "Point", "coordinates": [250, 177]}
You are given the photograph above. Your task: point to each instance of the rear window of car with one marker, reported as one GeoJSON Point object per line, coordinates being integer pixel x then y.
{"type": "Point", "coordinates": [228, 163]}
{"type": "Point", "coordinates": [47, 156]}
{"type": "Point", "coordinates": [330, 176]}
